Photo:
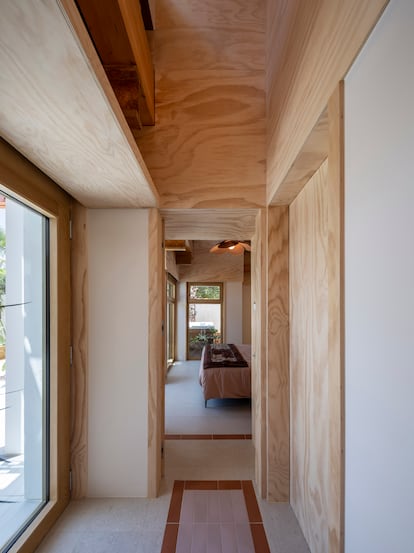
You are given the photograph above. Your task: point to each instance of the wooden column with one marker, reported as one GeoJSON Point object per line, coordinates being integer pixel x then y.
{"type": "Point", "coordinates": [278, 448]}
{"type": "Point", "coordinates": [79, 275]}
{"type": "Point", "coordinates": [335, 268]}
{"type": "Point", "coordinates": [156, 346]}
{"type": "Point", "coordinates": [258, 297]}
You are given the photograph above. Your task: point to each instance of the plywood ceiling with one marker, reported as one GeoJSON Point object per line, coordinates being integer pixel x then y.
{"type": "Point", "coordinates": [209, 224]}
{"type": "Point", "coordinates": [60, 112]}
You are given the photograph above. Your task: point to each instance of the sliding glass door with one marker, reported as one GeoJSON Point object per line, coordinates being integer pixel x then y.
{"type": "Point", "coordinates": [24, 365]}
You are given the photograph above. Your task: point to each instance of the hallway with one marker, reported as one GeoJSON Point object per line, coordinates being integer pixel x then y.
{"type": "Point", "coordinates": [137, 525]}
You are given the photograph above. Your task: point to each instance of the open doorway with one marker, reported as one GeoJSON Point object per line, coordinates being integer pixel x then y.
{"type": "Point", "coordinates": [211, 296]}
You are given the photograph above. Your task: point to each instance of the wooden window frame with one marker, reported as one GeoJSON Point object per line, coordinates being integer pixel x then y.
{"type": "Point", "coordinates": [204, 301]}
{"type": "Point", "coordinates": [23, 181]}
{"type": "Point", "coordinates": [172, 280]}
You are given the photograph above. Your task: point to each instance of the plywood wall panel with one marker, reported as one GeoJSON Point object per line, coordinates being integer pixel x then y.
{"type": "Point", "coordinates": [208, 146]}
{"type": "Point", "coordinates": [310, 429]}
{"type": "Point", "coordinates": [259, 351]}
{"type": "Point", "coordinates": [310, 47]}
{"type": "Point", "coordinates": [278, 385]}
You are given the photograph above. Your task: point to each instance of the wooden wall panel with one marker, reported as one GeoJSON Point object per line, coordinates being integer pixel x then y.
{"type": "Point", "coordinates": [210, 267]}
{"type": "Point", "coordinates": [278, 386]}
{"type": "Point", "coordinates": [336, 313]}
{"type": "Point", "coordinates": [79, 436]}
{"type": "Point", "coordinates": [259, 351]}
{"type": "Point", "coordinates": [310, 427]}
{"type": "Point", "coordinates": [310, 47]}
{"type": "Point", "coordinates": [208, 145]}
{"type": "Point", "coordinates": [156, 349]}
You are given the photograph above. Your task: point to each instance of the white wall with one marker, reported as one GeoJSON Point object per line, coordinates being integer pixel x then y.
{"type": "Point", "coordinates": [181, 335]}
{"type": "Point", "coordinates": [379, 289]}
{"type": "Point", "coordinates": [118, 352]}
{"type": "Point", "coordinates": [233, 297]}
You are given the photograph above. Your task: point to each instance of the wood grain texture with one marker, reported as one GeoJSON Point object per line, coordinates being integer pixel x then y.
{"type": "Point", "coordinates": [310, 426]}
{"type": "Point", "coordinates": [79, 436]}
{"type": "Point", "coordinates": [247, 300]}
{"type": "Point", "coordinates": [210, 267]}
{"type": "Point", "coordinates": [310, 158]}
{"type": "Point", "coordinates": [209, 224]}
{"type": "Point", "coordinates": [134, 25]}
{"type": "Point", "coordinates": [156, 349]}
{"type": "Point", "coordinates": [63, 114]}
{"type": "Point", "coordinates": [278, 385]}
{"type": "Point", "coordinates": [170, 264]}
{"type": "Point", "coordinates": [26, 182]}
{"type": "Point", "coordinates": [116, 28]}
{"type": "Point", "coordinates": [193, 13]}
{"type": "Point", "coordinates": [336, 313]}
{"type": "Point", "coordinates": [208, 145]}
{"type": "Point", "coordinates": [259, 351]}
{"type": "Point", "coordinates": [310, 47]}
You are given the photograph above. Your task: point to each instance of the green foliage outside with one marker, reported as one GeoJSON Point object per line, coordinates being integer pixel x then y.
{"type": "Point", "coordinates": [205, 292]}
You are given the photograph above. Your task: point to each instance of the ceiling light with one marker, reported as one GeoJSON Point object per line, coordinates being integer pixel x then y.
{"type": "Point", "coordinates": [235, 247]}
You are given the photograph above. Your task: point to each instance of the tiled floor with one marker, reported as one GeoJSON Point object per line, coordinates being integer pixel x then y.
{"type": "Point", "coordinates": [214, 517]}
{"type": "Point", "coordinates": [203, 444]}
{"type": "Point", "coordinates": [137, 525]}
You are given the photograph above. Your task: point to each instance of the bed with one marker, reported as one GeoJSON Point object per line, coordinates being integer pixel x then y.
{"type": "Point", "coordinates": [225, 372]}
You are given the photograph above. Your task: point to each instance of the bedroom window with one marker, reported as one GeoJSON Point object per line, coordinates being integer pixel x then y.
{"type": "Point", "coordinates": [204, 316]}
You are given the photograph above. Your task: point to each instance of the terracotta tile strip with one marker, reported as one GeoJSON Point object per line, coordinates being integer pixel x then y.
{"type": "Point", "coordinates": [201, 485]}
{"type": "Point", "coordinates": [259, 538]}
{"type": "Point", "coordinates": [256, 526]}
{"type": "Point", "coordinates": [251, 502]}
{"type": "Point", "coordinates": [169, 542]}
{"type": "Point", "coordinates": [208, 437]}
{"type": "Point", "coordinates": [229, 485]}
{"type": "Point", "coordinates": [176, 500]}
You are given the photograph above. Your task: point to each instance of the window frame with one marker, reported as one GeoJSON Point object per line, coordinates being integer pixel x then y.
{"type": "Point", "coordinates": [171, 300]}
{"type": "Point", "coordinates": [204, 301]}
{"type": "Point", "coordinates": [23, 181]}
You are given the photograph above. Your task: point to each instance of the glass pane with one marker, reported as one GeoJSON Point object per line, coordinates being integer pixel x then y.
{"type": "Point", "coordinates": [212, 292]}
{"type": "Point", "coordinates": [170, 290]}
{"type": "Point", "coordinates": [204, 326]}
{"type": "Point", "coordinates": [170, 332]}
{"type": "Point", "coordinates": [23, 366]}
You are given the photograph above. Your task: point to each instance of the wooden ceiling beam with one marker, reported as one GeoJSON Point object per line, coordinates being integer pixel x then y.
{"type": "Point", "coordinates": [118, 33]}
{"type": "Point", "coordinates": [310, 158]}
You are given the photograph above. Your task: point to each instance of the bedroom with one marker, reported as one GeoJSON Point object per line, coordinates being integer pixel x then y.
{"type": "Point", "coordinates": [208, 300]}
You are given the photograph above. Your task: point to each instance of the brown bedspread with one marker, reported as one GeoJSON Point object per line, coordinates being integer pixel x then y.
{"type": "Point", "coordinates": [223, 355]}
{"type": "Point", "coordinates": [227, 381]}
